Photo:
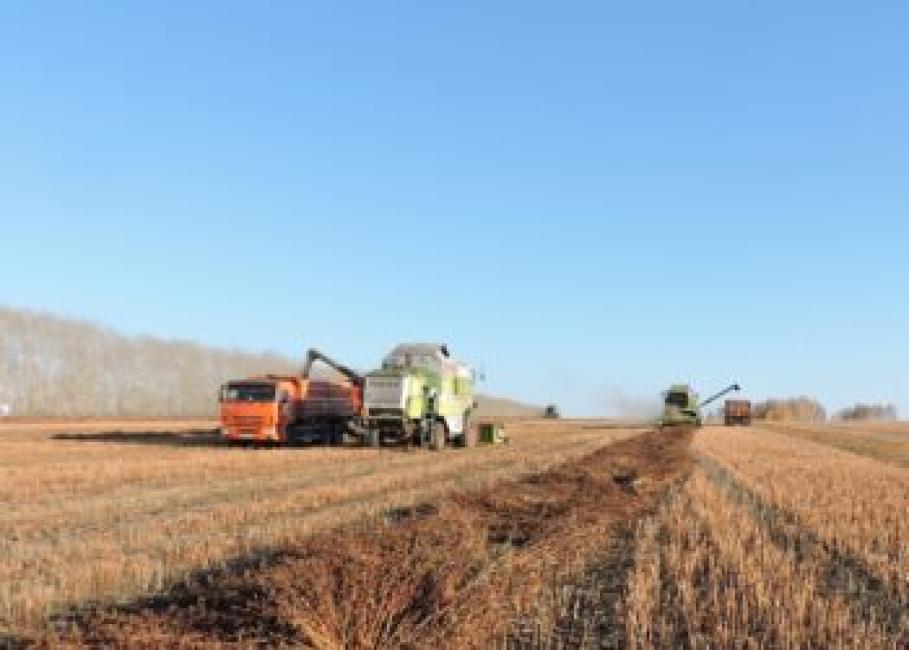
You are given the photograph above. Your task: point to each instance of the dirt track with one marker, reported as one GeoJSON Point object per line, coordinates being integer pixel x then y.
{"type": "Point", "coordinates": [456, 572]}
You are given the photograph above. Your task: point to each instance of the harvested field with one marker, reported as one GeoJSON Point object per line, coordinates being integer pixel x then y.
{"type": "Point", "coordinates": [772, 541]}
{"type": "Point", "coordinates": [466, 570]}
{"type": "Point", "coordinates": [886, 441]}
{"type": "Point", "coordinates": [852, 504]}
{"type": "Point", "coordinates": [576, 535]}
{"type": "Point", "coordinates": [775, 541]}
{"type": "Point", "coordinates": [109, 515]}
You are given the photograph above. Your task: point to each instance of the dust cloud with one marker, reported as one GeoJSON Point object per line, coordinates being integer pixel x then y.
{"type": "Point", "coordinates": [617, 402]}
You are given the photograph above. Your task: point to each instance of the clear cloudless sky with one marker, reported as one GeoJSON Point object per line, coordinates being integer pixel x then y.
{"type": "Point", "coordinates": [590, 199]}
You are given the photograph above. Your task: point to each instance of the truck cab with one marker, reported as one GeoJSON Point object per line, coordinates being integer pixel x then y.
{"type": "Point", "coordinates": [257, 410]}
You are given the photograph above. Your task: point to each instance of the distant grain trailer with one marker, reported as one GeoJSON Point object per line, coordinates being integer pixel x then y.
{"type": "Point", "coordinates": [737, 411]}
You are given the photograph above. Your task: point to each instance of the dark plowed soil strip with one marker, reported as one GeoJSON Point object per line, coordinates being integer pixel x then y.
{"type": "Point", "coordinates": [871, 598]}
{"type": "Point", "coordinates": [453, 574]}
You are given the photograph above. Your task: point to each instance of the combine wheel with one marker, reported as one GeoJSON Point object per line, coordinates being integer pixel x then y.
{"type": "Point", "coordinates": [410, 434]}
{"type": "Point", "coordinates": [436, 436]}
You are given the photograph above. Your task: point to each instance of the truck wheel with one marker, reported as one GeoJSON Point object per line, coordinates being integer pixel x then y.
{"type": "Point", "coordinates": [436, 436]}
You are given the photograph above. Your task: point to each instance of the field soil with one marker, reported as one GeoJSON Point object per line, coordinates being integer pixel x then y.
{"type": "Point", "coordinates": [468, 568]}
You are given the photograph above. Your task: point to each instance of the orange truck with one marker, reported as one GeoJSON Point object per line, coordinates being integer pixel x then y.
{"type": "Point", "coordinates": [291, 409]}
{"type": "Point", "coordinates": [737, 411]}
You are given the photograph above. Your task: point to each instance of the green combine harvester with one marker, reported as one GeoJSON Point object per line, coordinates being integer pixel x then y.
{"type": "Point", "coordinates": [681, 407]}
{"type": "Point", "coordinates": [420, 396]}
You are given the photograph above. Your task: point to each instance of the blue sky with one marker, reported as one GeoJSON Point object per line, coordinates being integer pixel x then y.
{"type": "Point", "coordinates": [590, 199]}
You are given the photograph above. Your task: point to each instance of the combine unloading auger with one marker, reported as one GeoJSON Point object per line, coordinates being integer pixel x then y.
{"type": "Point", "coordinates": [313, 355]}
{"type": "Point", "coordinates": [725, 391]}
{"type": "Point", "coordinates": [682, 408]}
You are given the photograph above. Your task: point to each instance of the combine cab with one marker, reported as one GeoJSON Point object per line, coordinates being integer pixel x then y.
{"type": "Point", "coordinates": [681, 406]}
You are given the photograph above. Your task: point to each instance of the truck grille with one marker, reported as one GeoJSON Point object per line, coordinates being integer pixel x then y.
{"type": "Point", "coordinates": [246, 420]}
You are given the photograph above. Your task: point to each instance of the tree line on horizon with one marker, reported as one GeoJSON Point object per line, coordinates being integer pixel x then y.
{"type": "Point", "coordinates": [52, 366]}
{"type": "Point", "coordinates": [61, 367]}
{"type": "Point", "coordinates": [808, 409]}
{"type": "Point", "coordinates": [869, 412]}
{"type": "Point", "coordinates": [805, 409]}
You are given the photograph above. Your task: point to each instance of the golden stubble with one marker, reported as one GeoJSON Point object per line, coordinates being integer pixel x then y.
{"type": "Point", "coordinates": [110, 521]}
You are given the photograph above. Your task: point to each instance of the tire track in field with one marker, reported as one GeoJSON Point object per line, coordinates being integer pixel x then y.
{"type": "Point", "coordinates": [844, 573]}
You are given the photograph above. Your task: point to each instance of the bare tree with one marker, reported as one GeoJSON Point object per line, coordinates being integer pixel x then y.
{"type": "Point", "coordinates": [794, 408]}
{"type": "Point", "coordinates": [869, 412]}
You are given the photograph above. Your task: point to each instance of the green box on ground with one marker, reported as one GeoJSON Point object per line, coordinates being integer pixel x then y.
{"type": "Point", "coordinates": [491, 433]}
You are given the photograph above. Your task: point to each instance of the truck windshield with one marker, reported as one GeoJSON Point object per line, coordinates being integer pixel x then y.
{"type": "Point", "coordinates": [677, 399]}
{"type": "Point", "coordinates": [249, 393]}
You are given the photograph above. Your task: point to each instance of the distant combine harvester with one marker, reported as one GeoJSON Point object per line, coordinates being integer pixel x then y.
{"type": "Point", "coordinates": [682, 408]}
